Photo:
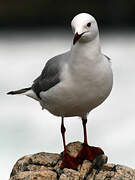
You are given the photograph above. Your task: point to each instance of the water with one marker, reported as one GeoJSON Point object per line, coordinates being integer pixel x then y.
{"type": "Point", "coordinates": [26, 129]}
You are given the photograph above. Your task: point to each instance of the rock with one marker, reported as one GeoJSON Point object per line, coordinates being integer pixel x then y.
{"type": "Point", "coordinates": [69, 174]}
{"type": "Point", "coordinates": [46, 166]}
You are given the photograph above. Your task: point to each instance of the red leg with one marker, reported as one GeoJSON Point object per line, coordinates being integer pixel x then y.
{"type": "Point", "coordinates": [68, 161]}
{"type": "Point", "coordinates": [84, 122]}
{"type": "Point", "coordinates": [63, 130]}
{"type": "Point", "coordinates": [87, 152]}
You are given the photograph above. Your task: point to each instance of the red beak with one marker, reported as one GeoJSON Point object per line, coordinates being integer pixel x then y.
{"type": "Point", "coordinates": [76, 37]}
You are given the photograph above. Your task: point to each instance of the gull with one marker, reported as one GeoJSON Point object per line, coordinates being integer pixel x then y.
{"type": "Point", "coordinates": [74, 83]}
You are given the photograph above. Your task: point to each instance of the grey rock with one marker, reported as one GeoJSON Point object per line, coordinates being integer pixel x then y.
{"type": "Point", "coordinates": [70, 174]}
{"type": "Point", "coordinates": [46, 166]}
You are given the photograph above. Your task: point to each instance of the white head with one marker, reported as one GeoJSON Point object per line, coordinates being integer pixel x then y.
{"type": "Point", "coordinates": [84, 27]}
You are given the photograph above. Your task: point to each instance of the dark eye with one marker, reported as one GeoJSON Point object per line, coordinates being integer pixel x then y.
{"type": "Point", "coordinates": [89, 24]}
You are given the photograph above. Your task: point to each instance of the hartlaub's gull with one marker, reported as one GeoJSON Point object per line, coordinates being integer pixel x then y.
{"type": "Point", "coordinates": [75, 82]}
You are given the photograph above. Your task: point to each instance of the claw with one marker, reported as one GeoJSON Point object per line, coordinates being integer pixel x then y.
{"type": "Point", "coordinates": [88, 153]}
{"type": "Point", "coordinates": [69, 162]}
{"type": "Point", "coordinates": [91, 153]}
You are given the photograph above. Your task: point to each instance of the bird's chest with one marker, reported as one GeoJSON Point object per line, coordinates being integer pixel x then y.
{"type": "Point", "coordinates": [85, 75]}
{"type": "Point", "coordinates": [82, 84]}
{"type": "Point", "coordinates": [80, 91]}
{"type": "Point", "coordinates": [90, 82]}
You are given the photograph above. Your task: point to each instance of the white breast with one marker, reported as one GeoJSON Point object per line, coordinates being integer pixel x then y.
{"type": "Point", "coordinates": [78, 93]}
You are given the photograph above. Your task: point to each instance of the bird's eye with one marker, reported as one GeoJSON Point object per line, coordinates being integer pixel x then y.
{"type": "Point", "coordinates": [89, 24]}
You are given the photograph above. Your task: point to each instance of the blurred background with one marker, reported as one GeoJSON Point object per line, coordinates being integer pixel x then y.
{"type": "Point", "coordinates": [33, 31]}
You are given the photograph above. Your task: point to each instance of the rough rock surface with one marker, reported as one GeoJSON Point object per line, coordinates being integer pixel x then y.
{"type": "Point", "coordinates": [46, 166]}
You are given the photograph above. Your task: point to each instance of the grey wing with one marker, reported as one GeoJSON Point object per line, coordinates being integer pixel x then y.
{"type": "Point", "coordinates": [50, 75]}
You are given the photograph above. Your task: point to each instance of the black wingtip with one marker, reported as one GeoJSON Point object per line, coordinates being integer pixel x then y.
{"type": "Point", "coordinates": [20, 91]}
{"type": "Point", "coordinates": [11, 93]}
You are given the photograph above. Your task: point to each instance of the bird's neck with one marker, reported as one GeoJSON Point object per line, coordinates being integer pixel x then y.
{"type": "Point", "coordinates": [90, 50]}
